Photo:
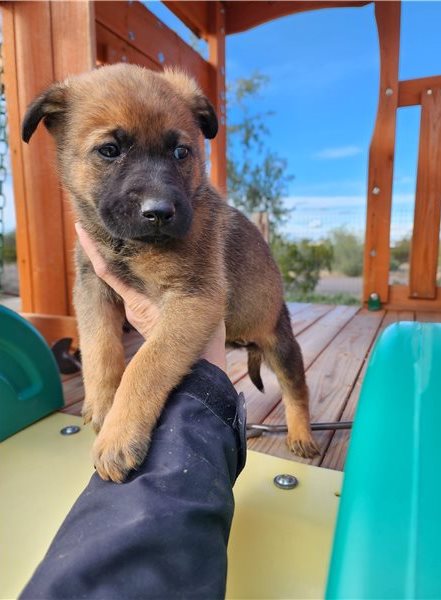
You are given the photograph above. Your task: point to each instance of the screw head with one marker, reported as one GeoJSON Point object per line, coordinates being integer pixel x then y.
{"type": "Point", "coordinates": [373, 252]}
{"type": "Point", "coordinates": [429, 92]}
{"type": "Point", "coordinates": [389, 91]}
{"type": "Point", "coordinates": [132, 35]}
{"type": "Point", "coordinates": [70, 430]}
{"type": "Point", "coordinates": [284, 481]}
{"type": "Point", "coordinates": [375, 190]}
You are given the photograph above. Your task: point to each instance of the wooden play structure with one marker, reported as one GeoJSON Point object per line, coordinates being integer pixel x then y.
{"type": "Point", "coordinates": [46, 41]}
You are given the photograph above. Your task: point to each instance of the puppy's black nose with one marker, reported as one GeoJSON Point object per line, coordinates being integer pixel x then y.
{"type": "Point", "coordinates": [158, 212]}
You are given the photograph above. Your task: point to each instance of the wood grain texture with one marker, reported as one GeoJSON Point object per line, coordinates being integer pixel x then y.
{"type": "Point", "coordinates": [426, 225]}
{"type": "Point", "coordinates": [400, 299]}
{"type": "Point", "coordinates": [194, 14]}
{"type": "Point", "coordinates": [216, 46]}
{"type": "Point", "coordinates": [335, 455]}
{"type": "Point", "coordinates": [411, 90]}
{"type": "Point", "coordinates": [243, 15]}
{"type": "Point", "coordinates": [381, 155]}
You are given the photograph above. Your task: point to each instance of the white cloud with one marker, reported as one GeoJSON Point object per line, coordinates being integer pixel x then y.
{"type": "Point", "coordinates": [339, 152]}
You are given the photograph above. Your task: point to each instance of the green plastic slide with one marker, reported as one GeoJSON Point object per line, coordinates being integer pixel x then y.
{"type": "Point", "coordinates": [30, 385]}
{"type": "Point", "coordinates": [388, 537]}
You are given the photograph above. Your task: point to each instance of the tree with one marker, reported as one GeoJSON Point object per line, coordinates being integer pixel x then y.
{"type": "Point", "coordinates": [257, 178]}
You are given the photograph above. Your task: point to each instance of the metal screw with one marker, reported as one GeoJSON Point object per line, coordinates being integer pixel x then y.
{"type": "Point", "coordinates": [222, 70]}
{"type": "Point", "coordinates": [70, 430]}
{"type": "Point", "coordinates": [285, 481]}
{"type": "Point", "coordinates": [375, 190]}
{"type": "Point", "coordinates": [373, 253]}
{"type": "Point", "coordinates": [223, 120]}
{"type": "Point", "coordinates": [161, 57]}
{"type": "Point", "coordinates": [124, 58]}
{"type": "Point", "coordinates": [132, 35]}
{"type": "Point", "coordinates": [429, 92]}
{"type": "Point", "coordinates": [389, 91]}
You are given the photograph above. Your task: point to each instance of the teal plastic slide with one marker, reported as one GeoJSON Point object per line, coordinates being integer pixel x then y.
{"type": "Point", "coordinates": [388, 537]}
{"type": "Point", "coordinates": [30, 385]}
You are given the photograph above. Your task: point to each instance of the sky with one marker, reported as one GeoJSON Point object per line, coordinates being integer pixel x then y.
{"type": "Point", "coordinates": [323, 67]}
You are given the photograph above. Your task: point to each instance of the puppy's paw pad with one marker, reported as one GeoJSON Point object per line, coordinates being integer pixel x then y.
{"type": "Point", "coordinates": [306, 448]}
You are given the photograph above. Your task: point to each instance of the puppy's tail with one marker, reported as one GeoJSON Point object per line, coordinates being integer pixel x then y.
{"type": "Point", "coordinates": [254, 362]}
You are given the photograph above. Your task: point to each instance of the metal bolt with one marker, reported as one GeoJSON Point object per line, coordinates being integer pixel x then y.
{"type": "Point", "coordinates": [222, 70]}
{"type": "Point", "coordinates": [70, 430]}
{"type": "Point", "coordinates": [124, 58]}
{"type": "Point", "coordinates": [161, 57]}
{"type": "Point", "coordinates": [389, 91]}
{"type": "Point", "coordinates": [285, 481]}
{"type": "Point", "coordinates": [429, 92]}
{"type": "Point", "coordinates": [223, 120]}
{"type": "Point", "coordinates": [132, 35]}
{"type": "Point", "coordinates": [373, 253]}
{"type": "Point", "coordinates": [375, 190]}
{"type": "Point", "coordinates": [374, 296]}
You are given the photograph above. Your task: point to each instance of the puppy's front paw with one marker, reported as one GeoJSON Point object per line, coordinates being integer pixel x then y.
{"type": "Point", "coordinates": [95, 412]}
{"type": "Point", "coordinates": [303, 445]}
{"type": "Point", "coordinates": [117, 452]}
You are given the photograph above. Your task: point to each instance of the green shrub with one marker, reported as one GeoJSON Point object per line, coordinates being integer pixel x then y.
{"type": "Point", "coordinates": [400, 252]}
{"type": "Point", "coordinates": [348, 252]}
{"type": "Point", "coordinates": [301, 262]}
{"type": "Point", "coordinates": [9, 247]}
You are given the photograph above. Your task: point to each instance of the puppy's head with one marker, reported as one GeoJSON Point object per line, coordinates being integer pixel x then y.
{"type": "Point", "coordinates": [128, 143]}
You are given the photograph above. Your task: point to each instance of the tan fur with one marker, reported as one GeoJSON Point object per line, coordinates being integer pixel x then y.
{"type": "Point", "coordinates": [222, 269]}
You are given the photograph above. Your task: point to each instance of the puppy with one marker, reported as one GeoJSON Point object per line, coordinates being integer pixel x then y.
{"type": "Point", "coordinates": [130, 155]}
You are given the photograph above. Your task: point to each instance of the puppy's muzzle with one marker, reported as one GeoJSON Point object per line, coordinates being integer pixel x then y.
{"type": "Point", "coordinates": [158, 212]}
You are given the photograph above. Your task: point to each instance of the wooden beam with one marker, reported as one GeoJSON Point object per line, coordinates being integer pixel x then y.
{"type": "Point", "coordinates": [381, 155]}
{"type": "Point", "coordinates": [216, 44]}
{"type": "Point", "coordinates": [193, 14]}
{"type": "Point", "coordinates": [54, 327]}
{"type": "Point", "coordinates": [140, 30]}
{"type": "Point", "coordinates": [399, 299]}
{"type": "Point", "coordinates": [410, 90]}
{"type": "Point", "coordinates": [44, 224]}
{"type": "Point", "coordinates": [426, 226]}
{"type": "Point", "coordinates": [243, 15]}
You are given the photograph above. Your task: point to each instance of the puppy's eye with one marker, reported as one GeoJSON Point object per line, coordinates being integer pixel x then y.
{"type": "Point", "coordinates": [109, 151]}
{"type": "Point", "coordinates": [181, 152]}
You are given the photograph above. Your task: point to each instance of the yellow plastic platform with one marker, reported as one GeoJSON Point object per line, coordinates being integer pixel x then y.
{"type": "Point", "coordinates": [280, 541]}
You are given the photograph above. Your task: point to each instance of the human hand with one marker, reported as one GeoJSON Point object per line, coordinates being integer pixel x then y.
{"type": "Point", "coordinates": [141, 313]}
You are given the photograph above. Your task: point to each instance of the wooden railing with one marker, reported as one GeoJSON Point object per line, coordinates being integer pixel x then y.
{"type": "Point", "coordinates": [422, 291]}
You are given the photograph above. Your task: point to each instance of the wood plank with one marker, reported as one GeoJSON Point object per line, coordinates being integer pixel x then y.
{"type": "Point", "coordinates": [36, 185]}
{"type": "Point", "coordinates": [411, 90]}
{"type": "Point", "coordinates": [216, 46]}
{"type": "Point", "coordinates": [381, 155]}
{"type": "Point", "coordinates": [54, 327]}
{"type": "Point", "coordinates": [335, 455]}
{"type": "Point", "coordinates": [139, 29]}
{"type": "Point", "coordinates": [313, 342]}
{"type": "Point", "coordinates": [243, 15]}
{"type": "Point", "coordinates": [112, 49]}
{"type": "Point", "coordinates": [72, 55]}
{"type": "Point", "coordinates": [24, 255]}
{"type": "Point", "coordinates": [399, 299]}
{"type": "Point", "coordinates": [194, 14]}
{"type": "Point", "coordinates": [426, 224]}
{"type": "Point", "coordinates": [330, 379]}
{"type": "Point", "coordinates": [428, 317]}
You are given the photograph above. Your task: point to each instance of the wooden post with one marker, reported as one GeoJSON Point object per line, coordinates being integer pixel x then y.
{"type": "Point", "coordinates": [216, 43]}
{"type": "Point", "coordinates": [44, 42]}
{"type": "Point", "coordinates": [381, 155]}
{"type": "Point", "coordinates": [426, 225]}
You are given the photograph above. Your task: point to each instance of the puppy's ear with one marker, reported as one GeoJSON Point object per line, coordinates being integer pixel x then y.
{"type": "Point", "coordinates": [205, 116]}
{"type": "Point", "coordinates": [199, 104]}
{"type": "Point", "coordinates": [50, 106]}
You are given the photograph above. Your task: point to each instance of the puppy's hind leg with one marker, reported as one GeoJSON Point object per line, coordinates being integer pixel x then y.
{"type": "Point", "coordinates": [283, 354]}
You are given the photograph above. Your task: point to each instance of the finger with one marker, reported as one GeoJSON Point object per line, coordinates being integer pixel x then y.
{"type": "Point", "coordinates": [99, 264]}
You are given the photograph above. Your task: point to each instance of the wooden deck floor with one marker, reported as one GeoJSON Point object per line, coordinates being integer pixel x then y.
{"type": "Point", "coordinates": [336, 342]}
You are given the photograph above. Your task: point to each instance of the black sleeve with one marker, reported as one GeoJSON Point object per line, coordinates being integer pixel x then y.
{"type": "Point", "coordinates": [163, 533]}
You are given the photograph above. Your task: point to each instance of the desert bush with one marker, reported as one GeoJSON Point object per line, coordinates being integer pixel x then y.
{"type": "Point", "coordinates": [301, 262]}
{"type": "Point", "coordinates": [9, 247]}
{"type": "Point", "coordinates": [348, 252]}
{"type": "Point", "coordinates": [400, 252]}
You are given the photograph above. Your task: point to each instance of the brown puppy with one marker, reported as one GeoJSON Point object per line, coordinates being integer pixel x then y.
{"type": "Point", "coordinates": [129, 154]}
